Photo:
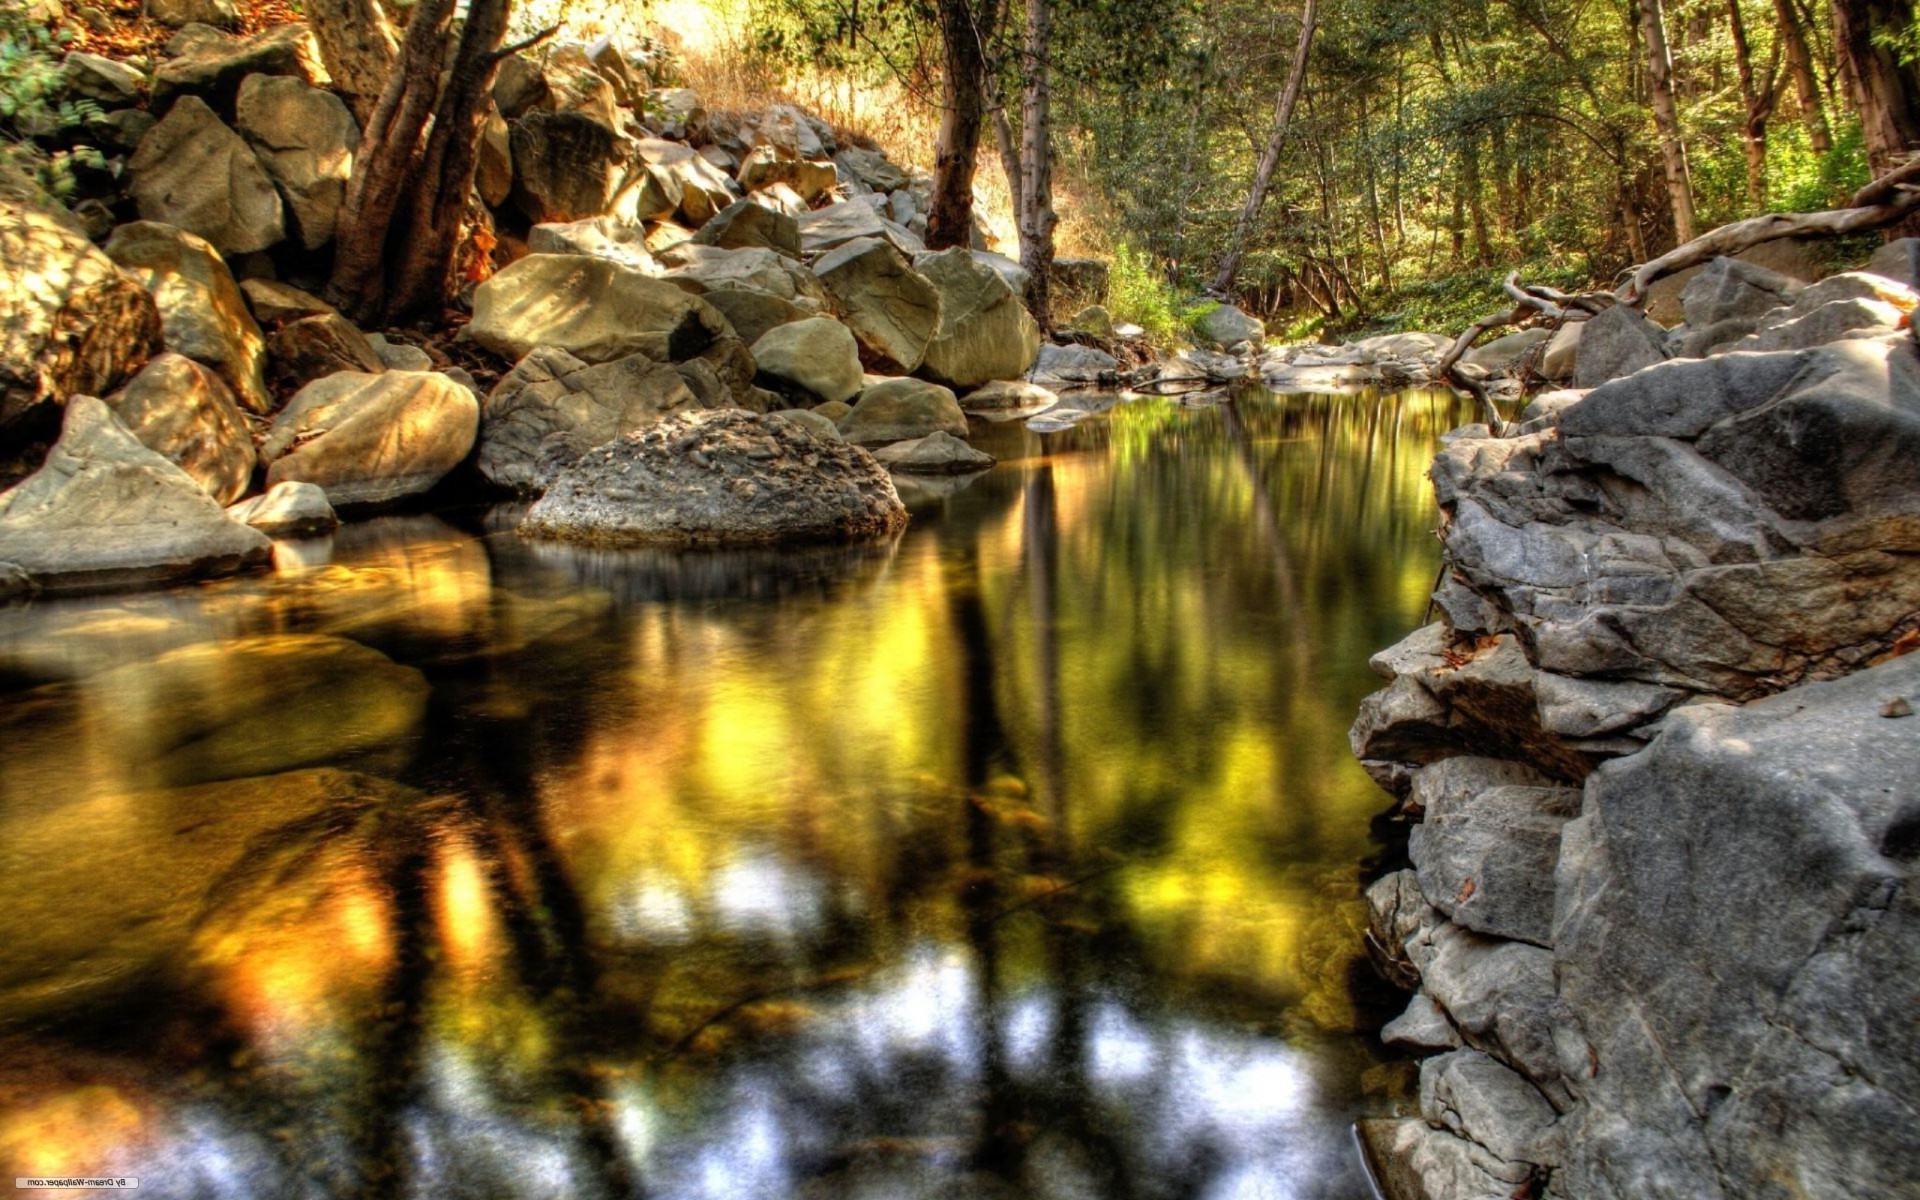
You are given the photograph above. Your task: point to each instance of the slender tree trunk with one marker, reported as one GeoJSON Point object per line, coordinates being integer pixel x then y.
{"type": "Point", "coordinates": [1758, 98]}
{"type": "Point", "coordinates": [1630, 220]}
{"type": "Point", "coordinates": [1283, 106]}
{"type": "Point", "coordinates": [950, 219]}
{"type": "Point", "coordinates": [1477, 205]}
{"type": "Point", "coordinates": [357, 46]}
{"type": "Point", "coordinates": [1036, 163]}
{"type": "Point", "coordinates": [1884, 91]}
{"type": "Point", "coordinates": [1666, 117]}
{"type": "Point", "coordinates": [1806, 90]}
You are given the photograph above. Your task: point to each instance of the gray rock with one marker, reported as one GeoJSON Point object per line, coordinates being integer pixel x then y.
{"type": "Point", "coordinates": [898, 410]}
{"type": "Point", "coordinates": [1617, 342]}
{"type": "Point", "coordinates": [210, 64]}
{"type": "Point", "coordinates": [570, 167]}
{"type": "Point", "coordinates": [1415, 1161]}
{"type": "Point", "coordinates": [314, 347]}
{"type": "Point", "coordinates": [274, 303]}
{"type": "Point", "coordinates": [104, 80]}
{"type": "Point", "coordinates": [1590, 707]}
{"type": "Point", "coordinates": [827, 229]}
{"type": "Point", "coordinates": [818, 424]}
{"type": "Point", "coordinates": [185, 413]}
{"type": "Point", "coordinates": [1899, 261]}
{"type": "Point", "coordinates": [1473, 1096]}
{"type": "Point", "coordinates": [985, 332]}
{"type": "Point", "coordinates": [71, 322]}
{"type": "Point", "coordinates": [1008, 396]}
{"type": "Point", "coordinates": [678, 114]}
{"type": "Point", "coordinates": [871, 169]}
{"type": "Point", "coordinates": [1487, 860]}
{"type": "Point", "coordinates": [704, 189]}
{"type": "Point", "coordinates": [305, 138]}
{"type": "Point", "coordinates": [1740, 937]}
{"type": "Point", "coordinates": [290, 509]}
{"type": "Point", "coordinates": [745, 223]}
{"type": "Point", "coordinates": [1071, 366]}
{"type": "Point", "coordinates": [194, 173]}
{"type": "Point", "coordinates": [1398, 916]}
{"type": "Point", "coordinates": [552, 408]}
{"type": "Point", "coordinates": [1728, 289]}
{"type": "Point", "coordinates": [700, 269]}
{"type": "Point", "coordinates": [892, 310]}
{"type": "Point", "coordinates": [398, 356]}
{"type": "Point", "coordinates": [105, 512]}
{"type": "Point", "coordinates": [224, 14]}
{"type": "Point", "coordinates": [715, 479]}
{"type": "Point", "coordinates": [754, 313]}
{"type": "Point", "coordinates": [597, 237]}
{"type": "Point", "coordinates": [1423, 1026]}
{"type": "Point", "coordinates": [592, 308]}
{"type": "Point", "coordinates": [767, 165]}
{"type": "Point", "coordinates": [338, 432]}
{"type": "Point", "coordinates": [202, 311]}
{"type": "Point", "coordinates": [1224, 326]}
{"type": "Point", "coordinates": [937, 453]}
{"type": "Point", "coordinates": [818, 357]}
{"type": "Point", "coordinates": [1500, 353]}
{"type": "Point", "coordinates": [1829, 323]}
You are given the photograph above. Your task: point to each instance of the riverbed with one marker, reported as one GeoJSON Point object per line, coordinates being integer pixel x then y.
{"type": "Point", "coordinates": [1020, 856]}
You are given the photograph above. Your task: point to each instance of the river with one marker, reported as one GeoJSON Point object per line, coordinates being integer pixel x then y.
{"type": "Point", "coordinates": [1019, 857]}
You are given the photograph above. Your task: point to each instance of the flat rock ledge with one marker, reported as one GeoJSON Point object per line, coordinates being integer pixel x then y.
{"type": "Point", "coordinates": [719, 478]}
{"type": "Point", "coordinates": [1657, 760]}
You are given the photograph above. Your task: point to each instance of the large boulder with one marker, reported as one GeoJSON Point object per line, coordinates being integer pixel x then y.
{"type": "Point", "coordinates": [1617, 342]}
{"type": "Point", "coordinates": [827, 229]}
{"type": "Point", "coordinates": [765, 166]}
{"type": "Point", "coordinates": [592, 308]}
{"type": "Point", "coordinates": [102, 80]}
{"type": "Point", "coordinates": [937, 453]}
{"type": "Point", "coordinates": [193, 172]}
{"type": "Point", "coordinates": [305, 138]}
{"type": "Point", "coordinates": [1224, 326]}
{"type": "Point", "coordinates": [817, 357]}
{"type": "Point", "coordinates": [570, 167]}
{"type": "Point", "coordinates": [898, 410]}
{"type": "Point", "coordinates": [598, 237]}
{"type": "Point", "coordinates": [552, 408]}
{"type": "Point", "coordinates": [185, 413]}
{"type": "Point", "coordinates": [213, 65]}
{"type": "Point", "coordinates": [1007, 396]}
{"type": "Point", "coordinates": [752, 312]}
{"type": "Point", "coordinates": [702, 268]}
{"type": "Point", "coordinates": [747, 223]}
{"type": "Point", "coordinates": [1898, 260]}
{"type": "Point", "coordinates": [704, 189]}
{"type": "Point", "coordinates": [893, 310]}
{"type": "Point", "coordinates": [372, 439]}
{"type": "Point", "coordinates": [1071, 366]}
{"type": "Point", "coordinates": [985, 331]}
{"type": "Point", "coordinates": [1738, 941]}
{"type": "Point", "coordinates": [1502, 352]}
{"type": "Point", "coordinates": [871, 169]}
{"type": "Point", "coordinates": [106, 512]}
{"type": "Point", "coordinates": [716, 479]}
{"type": "Point", "coordinates": [314, 347]}
{"type": "Point", "coordinates": [289, 509]}
{"type": "Point", "coordinates": [202, 311]}
{"type": "Point", "coordinates": [71, 322]}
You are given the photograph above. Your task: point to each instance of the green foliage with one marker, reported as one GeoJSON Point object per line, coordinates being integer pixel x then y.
{"type": "Point", "coordinates": [1138, 293]}
{"type": "Point", "coordinates": [1802, 181]}
{"type": "Point", "coordinates": [33, 108]}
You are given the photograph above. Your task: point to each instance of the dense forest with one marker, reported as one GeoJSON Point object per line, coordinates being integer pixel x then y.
{"type": "Point", "coordinates": [1410, 153]}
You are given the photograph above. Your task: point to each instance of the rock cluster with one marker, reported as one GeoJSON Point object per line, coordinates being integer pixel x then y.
{"type": "Point", "coordinates": [1658, 753]}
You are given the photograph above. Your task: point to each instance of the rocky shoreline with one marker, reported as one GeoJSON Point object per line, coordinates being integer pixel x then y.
{"type": "Point", "coordinates": [1656, 762]}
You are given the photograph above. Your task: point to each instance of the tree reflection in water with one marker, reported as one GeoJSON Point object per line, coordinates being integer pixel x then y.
{"type": "Point", "coordinates": [1015, 858]}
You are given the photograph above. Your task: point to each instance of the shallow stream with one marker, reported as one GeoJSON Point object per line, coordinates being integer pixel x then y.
{"type": "Point", "coordinates": [1020, 857]}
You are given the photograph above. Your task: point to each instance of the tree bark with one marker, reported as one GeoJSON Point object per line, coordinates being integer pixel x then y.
{"type": "Point", "coordinates": [1476, 202]}
{"type": "Point", "coordinates": [1885, 91]}
{"type": "Point", "coordinates": [1758, 99]}
{"type": "Point", "coordinates": [1806, 90]}
{"type": "Point", "coordinates": [1036, 163]}
{"type": "Point", "coordinates": [357, 46]}
{"type": "Point", "coordinates": [1666, 117]}
{"type": "Point", "coordinates": [950, 219]}
{"type": "Point", "coordinates": [1283, 107]}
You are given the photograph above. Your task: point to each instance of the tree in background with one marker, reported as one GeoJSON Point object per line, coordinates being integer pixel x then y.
{"type": "Point", "coordinates": [965, 28]}
{"type": "Point", "coordinates": [1283, 107]}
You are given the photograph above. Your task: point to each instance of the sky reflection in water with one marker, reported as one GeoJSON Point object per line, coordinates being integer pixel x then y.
{"type": "Point", "coordinates": [1015, 858]}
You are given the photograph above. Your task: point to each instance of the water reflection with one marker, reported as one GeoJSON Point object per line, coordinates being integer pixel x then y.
{"type": "Point", "coordinates": [1011, 859]}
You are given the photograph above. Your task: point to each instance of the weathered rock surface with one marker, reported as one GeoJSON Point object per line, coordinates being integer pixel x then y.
{"type": "Point", "coordinates": [1617, 342]}
{"type": "Point", "coordinates": [213, 64]}
{"type": "Point", "coordinates": [569, 167]}
{"type": "Point", "coordinates": [985, 332]}
{"type": "Point", "coordinates": [274, 302]}
{"type": "Point", "coordinates": [752, 312]}
{"type": "Point", "coordinates": [314, 347]}
{"type": "Point", "coordinates": [193, 172]}
{"type": "Point", "coordinates": [105, 512]}
{"type": "Point", "coordinates": [749, 224]}
{"type": "Point", "coordinates": [185, 413]}
{"type": "Point", "coordinates": [716, 479]}
{"type": "Point", "coordinates": [597, 237]}
{"type": "Point", "coordinates": [71, 322]}
{"type": "Point", "coordinates": [938, 453]}
{"type": "Point", "coordinates": [1224, 327]}
{"type": "Point", "coordinates": [552, 408]}
{"type": "Point", "coordinates": [202, 311]}
{"type": "Point", "coordinates": [372, 439]}
{"type": "Point", "coordinates": [893, 310]}
{"type": "Point", "coordinates": [290, 509]}
{"type": "Point", "coordinates": [103, 80]}
{"type": "Point", "coordinates": [1070, 366]}
{"type": "Point", "coordinates": [701, 269]}
{"type": "Point", "coordinates": [1007, 395]}
{"type": "Point", "coordinates": [305, 139]}
{"type": "Point", "coordinates": [896, 410]}
{"type": "Point", "coordinates": [818, 357]}
{"type": "Point", "coordinates": [827, 229]}
{"type": "Point", "coordinates": [594, 309]}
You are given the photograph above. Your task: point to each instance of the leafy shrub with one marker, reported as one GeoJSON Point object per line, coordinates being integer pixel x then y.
{"type": "Point", "coordinates": [33, 108]}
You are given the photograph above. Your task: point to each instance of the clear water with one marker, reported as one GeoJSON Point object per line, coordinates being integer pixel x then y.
{"type": "Point", "coordinates": [1020, 857]}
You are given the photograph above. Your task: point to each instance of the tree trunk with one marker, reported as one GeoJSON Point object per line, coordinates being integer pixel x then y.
{"type": "Point", "coordinates": [950, 219]}
{"type": "Point", "coordinates": [1476, 204]}
{"type": "Point", "coordinates": [1806, 90]}
{"type": "Point", "coordinates": [1758, 98]}
{"type": "Point", "coordinates": [1036, 163]}
{"type": "Point", "coordinates": [1270, 157]}
{"type": "Point", "coordinates": [400, 221]}
{"type": "Point", "coordinates": [1666, 117]}
{"type": "Point", "coordinates": [357, 46]}
{"type": "Point", "coordinates": [1884, 91]}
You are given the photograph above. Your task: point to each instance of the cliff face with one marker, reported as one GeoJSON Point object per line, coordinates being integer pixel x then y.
{"type": "Point", "coordinates": [1662, 753]}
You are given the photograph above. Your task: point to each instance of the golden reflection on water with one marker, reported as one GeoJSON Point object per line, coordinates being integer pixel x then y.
{"type": "Point", "coordinates": [1018, 857]}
